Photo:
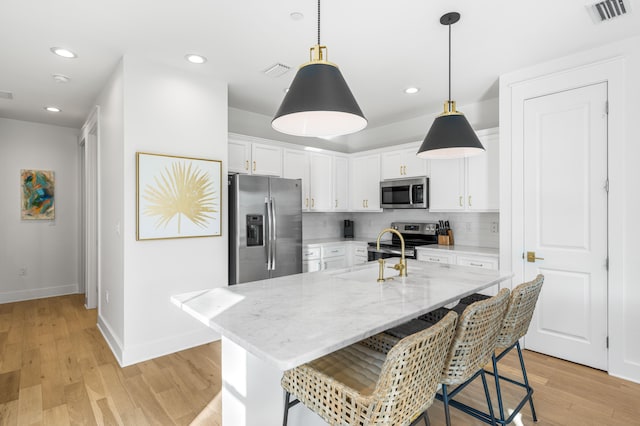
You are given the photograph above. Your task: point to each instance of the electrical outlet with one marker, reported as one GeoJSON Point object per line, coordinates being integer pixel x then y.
{"type": "Point", "coordinates": [494, 227]}
{"type": "Point", "coordinates": [22, 272]}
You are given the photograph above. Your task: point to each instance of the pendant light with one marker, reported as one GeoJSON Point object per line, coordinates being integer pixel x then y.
{"type": "Point", "coordinates": [451, 135]}
{"type": "Point", "coordinates": [319, 102]}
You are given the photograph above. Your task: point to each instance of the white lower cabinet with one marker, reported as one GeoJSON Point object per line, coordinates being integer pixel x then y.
{"type": "Point", "coordinates": [334, 256]}
{"type": "Point", "coordinates": [311, 261]}
{"type": "Point", "coordinates": [358, 253]}
{"type": "Point", "coordinates": [462, 257]}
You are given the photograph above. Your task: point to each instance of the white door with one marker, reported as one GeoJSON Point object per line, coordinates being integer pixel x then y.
{"type": "Point", "coordinates": [565, 222]}
{"type": "Point", "coordinates": [266, 160]}
{"type": "Point", "coordinates": [239, 156]}
{"type": "Point", "coordinates": [446, 185]}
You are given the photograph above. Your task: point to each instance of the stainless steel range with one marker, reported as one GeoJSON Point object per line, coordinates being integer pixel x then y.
{"type": "Point", "coordinates": [415, 234]}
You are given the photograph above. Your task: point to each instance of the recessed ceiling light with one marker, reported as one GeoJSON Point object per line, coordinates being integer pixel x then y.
{"type": "Point", "coordinates": [195, 59]}
{"type": "Point", "coordinates": [296, 16]}
{"type": "Point", "coordinates": [52, 109]}
{"type": "Point", "coordinates": [65, 53]}
{"type": "Point", "coordinates": [411, 90]}
{"type": "Point", "coordinates": [61, 78]}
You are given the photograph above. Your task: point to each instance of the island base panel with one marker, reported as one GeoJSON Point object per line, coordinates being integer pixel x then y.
{"type": "Point", "coordinates": [252, 394]}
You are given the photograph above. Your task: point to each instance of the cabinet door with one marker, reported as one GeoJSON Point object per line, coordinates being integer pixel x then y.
{"type": "Point", "coordinates": [296, 166]}
{"type": "Point", "coordinates": [311, 265]}
{"type": "Point", "coordinates": [435, 257]}
{"type": "Point", "coordinates": [340, 183]}
{"type": "Point", "coordinates": [413, 166]}
{"type": "Point", "coordinates": [365, 179]}
{"type": "Point", "coordinates": [239, 156]}
{"type": "Point", "coordinates": [392, 165]}
{"type": "Point", "coordinates": [482, 176]}
{"type": "Point", "coordinates": [320, 181]}
{"type": "Point", "coordinates": [266, 160]}
{"type": "Point", "coordinates": [446, 185]}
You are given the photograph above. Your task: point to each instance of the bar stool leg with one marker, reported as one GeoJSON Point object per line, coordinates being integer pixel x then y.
{"type": "Point", "coordinates": [486, 393]}
{"type": "Point", "coordinates": [498, 392]}
{"type": "Point", "coordinates": [445, 401]}
{"type": "Point", "coordinates": [286, 408]}
{"type": "Point", "coordinates": [526, 382]}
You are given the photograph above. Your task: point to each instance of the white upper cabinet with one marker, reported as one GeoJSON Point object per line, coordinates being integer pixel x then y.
{"type": "Point", "coordinates": [340, 183]}
{"type": "Point", "coordinates": [239, 156]}
{"type": "Point", "coordinates": [320, 181]}
{"type": "Point", "coordinates": [401, 163]}
{"type": "Point", "coordinates": [365, 183]}
{"type": "Point", "coordinates": [266, 160]}
{"type": "Point", "coordinates": [248, 156]}
{"type": "Point", "coordinates": [469, 184]}
{"type": "Point", "coordinates": [296, 166]}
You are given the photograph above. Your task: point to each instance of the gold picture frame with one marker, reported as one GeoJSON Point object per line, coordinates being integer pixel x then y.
{"type": "Point", "coordinates": [177, 197]}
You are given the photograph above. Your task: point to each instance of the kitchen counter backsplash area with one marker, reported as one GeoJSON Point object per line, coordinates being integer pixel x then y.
{"type": "Point", "coordinates": [469, 229]}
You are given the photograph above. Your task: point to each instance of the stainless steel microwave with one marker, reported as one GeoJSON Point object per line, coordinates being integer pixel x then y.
{"type": "Point", "coordinates": [410, 193]}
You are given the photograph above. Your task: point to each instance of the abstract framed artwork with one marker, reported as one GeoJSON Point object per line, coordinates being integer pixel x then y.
{"type": "Point", "coordinates": [38, 190]}
{"type": "Point", "coordinates": [177, 197]}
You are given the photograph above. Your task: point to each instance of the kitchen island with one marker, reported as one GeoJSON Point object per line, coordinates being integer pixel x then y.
{"type": "Point", "coordinates": [273, 325]}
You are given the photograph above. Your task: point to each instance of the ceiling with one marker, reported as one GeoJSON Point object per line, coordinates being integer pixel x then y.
{"type": "Point", "coordinates": [382, 47]}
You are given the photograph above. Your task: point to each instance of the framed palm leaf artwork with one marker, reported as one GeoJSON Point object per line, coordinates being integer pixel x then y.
{"type": "Point", "coordinates": [177, 197]}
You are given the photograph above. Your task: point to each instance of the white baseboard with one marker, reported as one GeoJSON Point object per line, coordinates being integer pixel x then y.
{"type": "Point", "coordinates": [144, 351]}
{"type": "Point", "coordinates": [37, 293]}
{"type": "Point", "coordinates": [112, 340]}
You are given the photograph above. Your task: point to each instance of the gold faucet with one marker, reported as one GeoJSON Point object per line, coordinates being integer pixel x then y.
{"type": "Point", "coordinates": [400, 266]}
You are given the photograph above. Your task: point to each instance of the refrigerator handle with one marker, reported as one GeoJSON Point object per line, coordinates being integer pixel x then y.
{"type": "Point", "coordinates": [274, 235]}
{"type": "Point", "coordinates": [267, 204]}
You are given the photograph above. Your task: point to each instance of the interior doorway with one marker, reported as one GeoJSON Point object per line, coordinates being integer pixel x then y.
{"type": "Point", "coordinates": [88, 188]}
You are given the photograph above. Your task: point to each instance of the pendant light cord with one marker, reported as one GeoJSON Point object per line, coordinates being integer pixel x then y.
{"type": "Point", "coordinates": [318, 22]}
{"type": "Point", "coordinates": [449, 66]}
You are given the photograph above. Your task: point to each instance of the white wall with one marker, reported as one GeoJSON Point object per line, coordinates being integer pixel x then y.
{"type": "Point", "coordinates": [169, 111]}
{"type": "Point", "coordinates": [48, 249]}
{"type": "Point", "coordinates": [624, 197]}
{"type": "Point", "coordinates": [111, 210]}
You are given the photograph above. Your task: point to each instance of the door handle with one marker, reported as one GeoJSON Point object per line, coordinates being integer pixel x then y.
{"type": "Point", "coordinates": [531, 256]}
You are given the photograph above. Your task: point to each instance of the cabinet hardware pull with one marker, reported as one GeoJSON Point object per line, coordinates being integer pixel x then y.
{"type": "Point", "coordinates": [476, 264]}
{"type": "Point", "coordinates": [362, 203]}
{"type": "Point", "coordinates": [336, 204]}
{"type": "Point", "coordinates": [434, 260]}
{"type": "Point", "coordinates": [306, 202]}
{"type": "Point", "coordinates": [254, 166]}
{"type": "Point", "coordinates": [469, 200]}
{"type": "Point", "coordinates": [367, 203]}
{"type": "Point", "coordinates": [460, 201]}
{"type": "Point", "coordinates": [405, 170]}
{"type": "Point", "coordinates": [400, 170]}
{"type": "Point", "coordinates": [246, 165]}
{"type": "Point", "coordinates": [313, 203]}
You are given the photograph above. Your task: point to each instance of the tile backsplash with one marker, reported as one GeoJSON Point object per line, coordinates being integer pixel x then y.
{"type": "Point", "coordinates": [474, 229]}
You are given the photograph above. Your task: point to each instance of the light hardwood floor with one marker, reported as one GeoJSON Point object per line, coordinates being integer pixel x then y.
{"type": "Point", "coordinates": [56, 369]}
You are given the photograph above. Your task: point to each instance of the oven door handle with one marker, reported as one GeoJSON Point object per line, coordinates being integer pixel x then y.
{"type": "Point", "coordinates": [411, 194]}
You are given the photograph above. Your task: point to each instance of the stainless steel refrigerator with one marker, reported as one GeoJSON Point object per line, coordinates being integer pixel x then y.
{"type": "Point", "coordinates": [265, 227]}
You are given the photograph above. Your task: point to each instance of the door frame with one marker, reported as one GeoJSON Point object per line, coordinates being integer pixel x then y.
{"type": "Point", "coordinates": [565, 74]}
{"type": "Point", "coordinates": [90, 208]}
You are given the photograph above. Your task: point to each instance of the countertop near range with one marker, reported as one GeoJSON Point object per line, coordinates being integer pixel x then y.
{"type": "Point", "coordinates": [290, 320]}
{"type": "Point", "coordinates": [458, 249]}
{"type": "Point", "coordinates": [336, 240]}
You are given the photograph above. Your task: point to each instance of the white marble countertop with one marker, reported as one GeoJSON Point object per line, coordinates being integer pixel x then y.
{"type": "Point", "coordinates": [291, 320]}
{"type": "Point", "coordinates": [337, 240]}
{"type": "Point", "coordinates": [458, 249]}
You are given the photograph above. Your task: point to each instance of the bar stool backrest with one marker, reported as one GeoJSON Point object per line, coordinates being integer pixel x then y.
{"type": "Point", "coordinates": [475, 338]}
{"type": "Point", "coordinates": [519, 312]}
{"type": "Point", "coordinates": [410, 374]}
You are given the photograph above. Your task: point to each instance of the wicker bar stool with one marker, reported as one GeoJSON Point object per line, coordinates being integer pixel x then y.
{"type": "Point", "coordinates": [472, 348]}
{"type": "Point", "coordinates": [373, 382]}
{"type": "Point", "coordinates": [516, 323]}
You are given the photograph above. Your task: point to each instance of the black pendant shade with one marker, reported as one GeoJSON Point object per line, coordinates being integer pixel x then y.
{"type": "Point", "coordinates": [451, 135]}
{"type": "Point", "coordinates": [319, 103]}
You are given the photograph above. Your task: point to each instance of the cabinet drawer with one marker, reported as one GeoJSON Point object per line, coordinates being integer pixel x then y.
{"type": "Point", "coordinates": [360, 260]}
{"type": "Point", "coordinates": [360, 251]}
{"type": "Point", "coordinates": [478, 262]}
{"type": "Point", "coordinates": [436, 257]}
{"type": "Point", "coordinates": [310, 253]}
{"type": "Point", "coordinates": [333, 251]}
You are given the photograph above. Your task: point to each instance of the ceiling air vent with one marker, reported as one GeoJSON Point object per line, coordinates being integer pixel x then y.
{"type": "Point", "coordinates": [5, 95]}
{"type": "Point", "coordinates": [276, 70]}
{"type": "Point", "coordinates": [608, 9]}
